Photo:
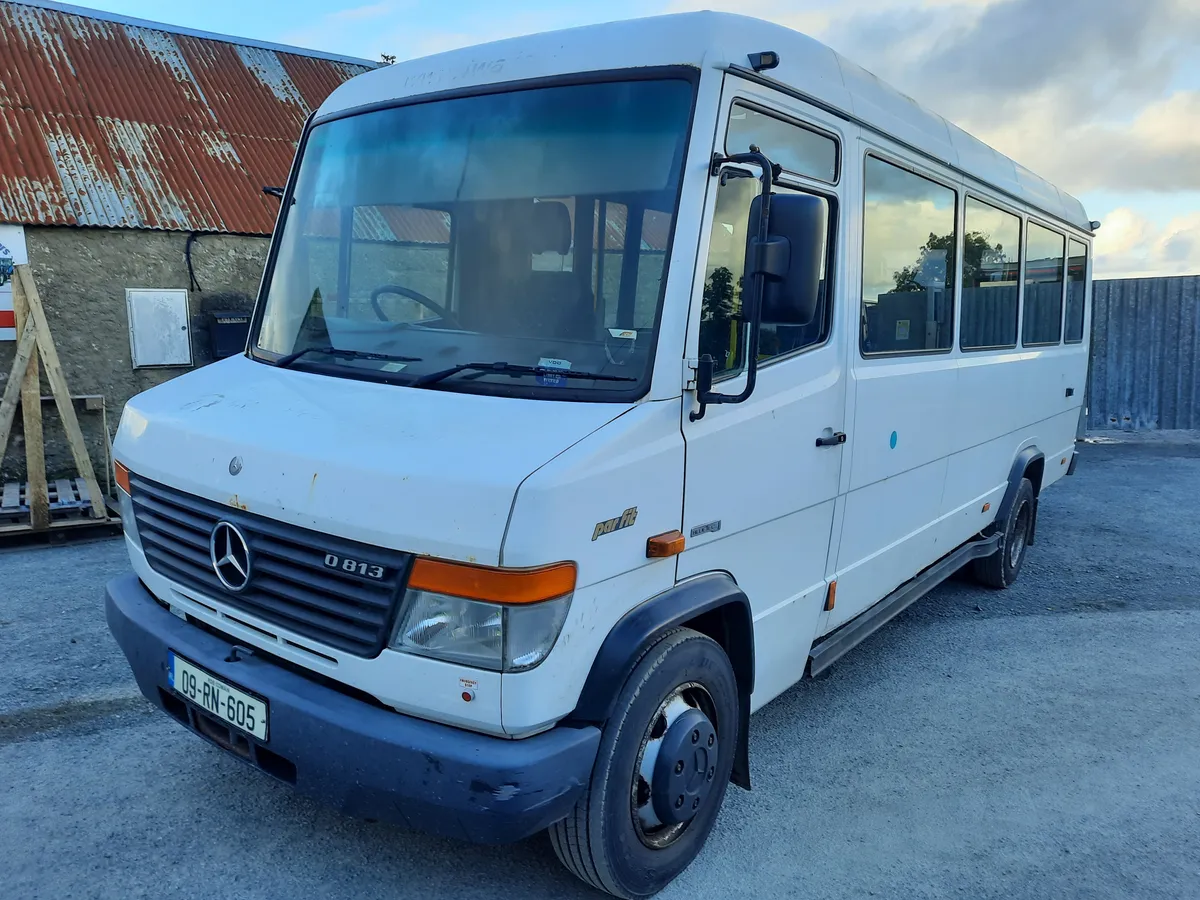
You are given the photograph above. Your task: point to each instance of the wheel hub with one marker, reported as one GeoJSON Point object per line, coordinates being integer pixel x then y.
{"type": "Point", "coordinates": [683, 773]}
{"type": "Point", "coordinates": [676, 767]}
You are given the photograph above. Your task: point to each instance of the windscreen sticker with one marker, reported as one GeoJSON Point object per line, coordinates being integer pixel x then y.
{"type": "Point", "coordinates": [394, 367]}
{"type": "Point", "coordinates": [548, 362]}
{"type": "Point", "coordinates": [623, 334]}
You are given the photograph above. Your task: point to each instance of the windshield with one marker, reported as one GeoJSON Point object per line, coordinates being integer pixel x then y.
{"type": "Point", "coordinates": [529, 228]}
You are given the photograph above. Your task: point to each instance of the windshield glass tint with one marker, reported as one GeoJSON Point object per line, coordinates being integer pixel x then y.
{"type": "Point", "coordinates": [528, 227]}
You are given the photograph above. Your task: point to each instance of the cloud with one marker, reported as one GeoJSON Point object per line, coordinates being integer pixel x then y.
{"type": "Point", "coordinates": [1131, 246]}
{"type": "Point", "coordinates": [1077, 90]}
{"type": "Point", "coordinates": [1158, 150]}
{"type": "Point", "coordinates": [1094, 95]}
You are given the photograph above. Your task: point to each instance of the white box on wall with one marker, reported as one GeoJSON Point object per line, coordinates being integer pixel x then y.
{"type": "Point", "coordinates": [159, 327]}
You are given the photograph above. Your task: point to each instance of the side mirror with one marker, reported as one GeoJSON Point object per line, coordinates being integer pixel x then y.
{"type": "Point", "coordinates": [790, 260]}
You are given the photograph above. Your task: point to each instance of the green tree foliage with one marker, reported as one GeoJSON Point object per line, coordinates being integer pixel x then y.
{"type": "Point", "coordinates": [978, 257]}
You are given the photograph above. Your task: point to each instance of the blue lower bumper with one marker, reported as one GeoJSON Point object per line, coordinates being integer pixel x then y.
{"type": "Point", "coordinates": [367, 761]}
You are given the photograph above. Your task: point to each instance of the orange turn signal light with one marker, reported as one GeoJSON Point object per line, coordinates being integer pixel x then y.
{"type": "Point", "coordinates": [831, 596]}
{"type": "Point", "coordinates": [493, 585]}
{"type": "Point", "coordinates": [669, 543]}
{"type": "Point", "coordinates": [122, 473]}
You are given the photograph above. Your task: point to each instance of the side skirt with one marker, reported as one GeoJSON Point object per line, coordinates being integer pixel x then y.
{"type": "Point", "coordinates": [834, 646]}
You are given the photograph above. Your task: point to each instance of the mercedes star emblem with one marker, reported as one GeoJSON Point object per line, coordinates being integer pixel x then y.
{"type": "Point", "coordinates": [235, 465]}
{"type": "Point", "coordinates": [230, 554]}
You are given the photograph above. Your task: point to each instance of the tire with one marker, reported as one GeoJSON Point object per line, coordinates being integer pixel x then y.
{"type": "Point", "coordinates": [1002, 568]}
{"type": "Point", "coordinates": [604, 841]}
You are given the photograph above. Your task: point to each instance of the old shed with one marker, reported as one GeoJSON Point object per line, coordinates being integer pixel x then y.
{"type": "Point", "coordinates": [133, 157]}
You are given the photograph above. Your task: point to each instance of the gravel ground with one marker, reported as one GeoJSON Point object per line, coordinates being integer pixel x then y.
{"type": "Point", "coordinates": [1039, 742]}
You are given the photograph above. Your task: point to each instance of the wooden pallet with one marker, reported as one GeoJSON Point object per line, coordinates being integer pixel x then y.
{"type": "Point", "coordinates": [43, 505]}
{"type": "Point", "coordinates": [69, 499]}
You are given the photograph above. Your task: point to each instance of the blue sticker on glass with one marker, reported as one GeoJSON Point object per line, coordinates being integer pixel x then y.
{"type": "Point", "coordinates": [550, 380]}
{"type": "Point", "coordinates": [892, 441]}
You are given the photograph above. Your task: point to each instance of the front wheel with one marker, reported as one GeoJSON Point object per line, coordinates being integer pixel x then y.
{"type": "Point", "coordinates": [661, 772]}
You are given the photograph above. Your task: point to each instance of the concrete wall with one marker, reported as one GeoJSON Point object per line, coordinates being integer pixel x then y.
{"type": "Point", "coordinates": [82, 274]}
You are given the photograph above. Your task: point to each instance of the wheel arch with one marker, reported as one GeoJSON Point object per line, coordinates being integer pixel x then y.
{"type": "Point", "coordinates": [712, 604]}
{"type": "Point", "coordinates": [1029, 463]}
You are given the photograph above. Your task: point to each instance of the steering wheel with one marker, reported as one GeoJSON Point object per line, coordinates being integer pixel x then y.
{"type": "Point", "coordinates": [403, 291]}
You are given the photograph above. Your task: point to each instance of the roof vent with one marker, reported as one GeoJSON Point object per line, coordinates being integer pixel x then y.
{"type": "Point", "coordinates": [761, 61]}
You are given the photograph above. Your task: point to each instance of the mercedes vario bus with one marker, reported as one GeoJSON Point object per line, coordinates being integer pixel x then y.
{"type": "Point", "coordinates": [602, 385]}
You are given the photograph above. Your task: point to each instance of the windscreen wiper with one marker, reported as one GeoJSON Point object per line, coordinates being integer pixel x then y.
{"type": "Point", "coordinates": [513, 369]}
{"type": "Point", "coordinates": [285, 361]}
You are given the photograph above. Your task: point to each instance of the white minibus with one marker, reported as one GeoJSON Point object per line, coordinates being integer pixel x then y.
{"type": "Point", "coordinates": [602, 385]}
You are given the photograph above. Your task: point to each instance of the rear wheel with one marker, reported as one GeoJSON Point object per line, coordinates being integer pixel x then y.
{"type": "Point", "coordinates": [1002, 568]}
{"type": "Point", "coordinates": [661, 773]}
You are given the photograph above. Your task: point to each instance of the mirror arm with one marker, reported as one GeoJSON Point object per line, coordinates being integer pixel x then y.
{"type": "Point", "coordinates": [704, 393]}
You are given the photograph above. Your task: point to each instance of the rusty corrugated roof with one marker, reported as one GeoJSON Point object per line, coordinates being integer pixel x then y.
{"type": "Point", "coordinates": [108, 121]}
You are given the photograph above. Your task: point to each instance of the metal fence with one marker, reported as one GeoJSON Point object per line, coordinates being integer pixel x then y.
{"type": "Point", "coordinates": [1145, 341]}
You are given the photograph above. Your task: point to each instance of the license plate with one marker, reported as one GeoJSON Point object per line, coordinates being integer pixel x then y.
{"type": "Point", "coordinates": [231, 705]}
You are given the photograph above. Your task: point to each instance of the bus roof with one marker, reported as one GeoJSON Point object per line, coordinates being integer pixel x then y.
{"type": "Point", "coordinates": [717, 40]}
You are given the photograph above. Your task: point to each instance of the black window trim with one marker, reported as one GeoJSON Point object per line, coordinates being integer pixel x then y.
{"type": "Point", "coordinates": [958, 190]}
{"type": "Point", "coordinates": [749, 101]}
{"type": "Point", "coordinates": [1062, 299]}
{"type": "Point", "coordinates": [689, 73]}
{"type": "Point", "coordinates": [1087, 266]}
{"type": "Point", "coordinates": [968, 195]}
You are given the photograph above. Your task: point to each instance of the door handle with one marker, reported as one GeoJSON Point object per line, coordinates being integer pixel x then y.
{"type": "Point", "coordinates": [838, 437]}
{"type": "Point", "coordinates": [1071, 392]}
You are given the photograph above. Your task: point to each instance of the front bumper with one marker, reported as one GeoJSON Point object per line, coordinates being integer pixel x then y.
{"type": "Point", "coordinates": [365, 760]}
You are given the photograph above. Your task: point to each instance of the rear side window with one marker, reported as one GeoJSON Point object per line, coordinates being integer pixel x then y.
{"type": "Point", "coordinates": [1043, 286]}
{"type": "Point", "coordinates": [1076, 290]}
{"type": "Point", "coordinates": [991, 276]}
{"type": "Point", "coordinates": [795, 148]}
{"type": "Point", "coordinates": [909, 240]}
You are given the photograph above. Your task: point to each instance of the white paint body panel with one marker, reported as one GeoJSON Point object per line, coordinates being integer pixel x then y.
{"type": "Point", "coordinates": [514, 482]}
{"type": "Point", "coordinates": [368, 462]}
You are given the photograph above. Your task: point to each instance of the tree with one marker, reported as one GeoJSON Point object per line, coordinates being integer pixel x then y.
{"type": "Point", "coordinates": [978, 257]}
{"type": "Point", "coordinates": [716, 314]}
{"type": "Point", "coordinates": [388, 59]}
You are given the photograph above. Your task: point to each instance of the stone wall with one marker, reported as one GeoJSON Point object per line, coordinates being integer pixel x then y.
{"type": "Point", "coordinates": [82, 274]}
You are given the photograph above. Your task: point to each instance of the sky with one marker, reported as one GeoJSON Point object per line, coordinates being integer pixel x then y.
{"type": "Point", "coordinates": [1101, 97]}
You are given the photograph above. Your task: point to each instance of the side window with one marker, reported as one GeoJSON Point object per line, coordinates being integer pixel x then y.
{"type": "Point", "coordinates": [1043, 286]}
{"type": "Point", "coordinates": [724, 333]}
{"type": "Point", "coordinates": [401, 247]}
{"type": "Point", "coordinates": [1076, 290]}
{"type": "Point", "coordinates": [795, 148]}
{"type": "Point", "coordinates": [909, 241]}
{"type": "Point", "coordinates": [991, 277]}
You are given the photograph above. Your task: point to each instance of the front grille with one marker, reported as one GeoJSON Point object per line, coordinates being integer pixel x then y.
{"type": "Point", "coordinates": [290, 584]}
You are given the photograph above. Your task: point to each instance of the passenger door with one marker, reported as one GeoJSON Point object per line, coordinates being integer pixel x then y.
{"type": "Point", "coordinates": [760, 494]}
{"type": "Point", "coordinates": [903, 381]}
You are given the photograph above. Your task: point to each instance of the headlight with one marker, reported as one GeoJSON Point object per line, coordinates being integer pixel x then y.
{"type": "Point", "coordinates": [505, 620]}
{"type": "Point", "coordinates": [125, 505]}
